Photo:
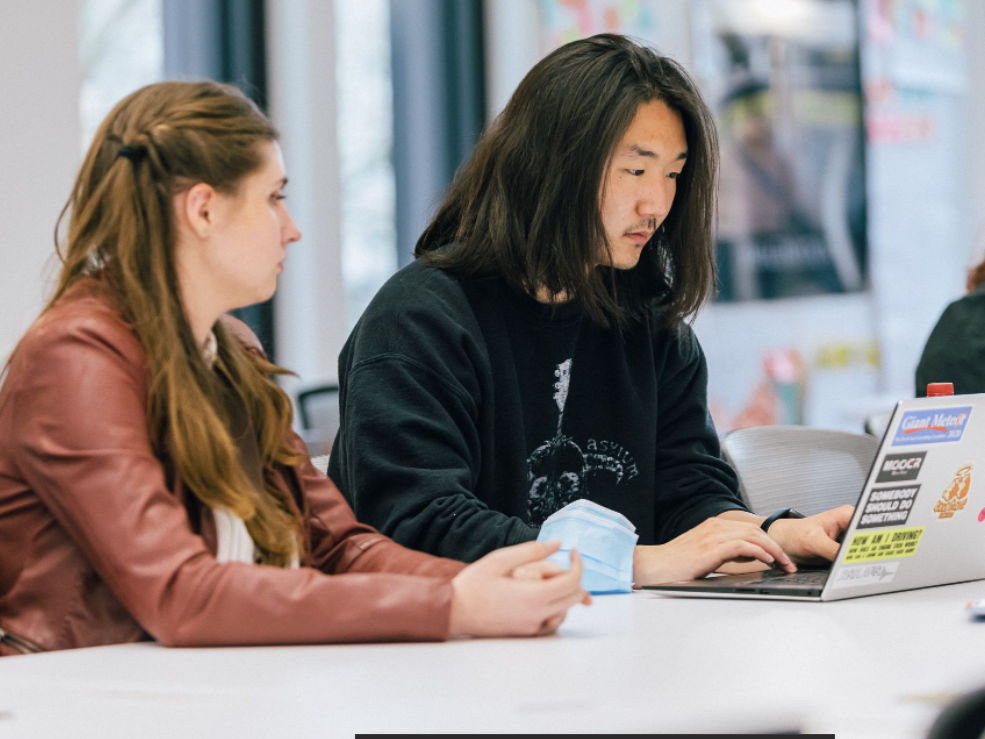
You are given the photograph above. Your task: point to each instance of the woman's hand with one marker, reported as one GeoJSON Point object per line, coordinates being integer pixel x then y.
{"type": "Point", "coordinates": [544, 569]}
{"type": "Point", "coordinates": [514, 592]}
{"type": "Point", "coordinates": [704, 549]}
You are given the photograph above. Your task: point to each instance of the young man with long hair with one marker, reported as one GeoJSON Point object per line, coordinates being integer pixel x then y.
{"type": "Point", "coordinates": [150, 484]}
{"type": "Point", "coordinates": [538, 351]}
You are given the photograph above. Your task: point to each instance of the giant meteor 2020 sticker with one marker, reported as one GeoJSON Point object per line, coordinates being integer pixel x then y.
{"type": "Point", "coordinates": [888, 506]}
{"type": "Point", "coordinates": [932, 426]}
{"type": "Point", "coordinates": [873, 546]}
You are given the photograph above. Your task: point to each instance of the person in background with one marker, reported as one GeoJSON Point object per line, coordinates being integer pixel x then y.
{"type": "Point", "coordinates": [539, 350]}
{"type": "Point", "coordinates": [150, 484]}
{"type": "Point", "coordinates": [955, 351]}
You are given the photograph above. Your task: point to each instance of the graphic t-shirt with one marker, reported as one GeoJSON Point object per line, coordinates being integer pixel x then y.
{"type": "Point", "coordinates": [573, 449]}
{"type": "Point", "coordinates": [471, 412]}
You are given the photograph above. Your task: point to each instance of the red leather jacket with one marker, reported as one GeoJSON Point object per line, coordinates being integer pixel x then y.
{"type": "Point", "coordinates": [95, 548]}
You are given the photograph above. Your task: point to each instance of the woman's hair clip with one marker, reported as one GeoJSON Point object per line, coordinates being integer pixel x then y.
{"type": "Point", "coordinates": [133, 153]}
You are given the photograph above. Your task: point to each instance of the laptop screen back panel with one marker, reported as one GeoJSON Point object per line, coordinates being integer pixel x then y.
{"type": "Point", "coordinates": [921, 518]}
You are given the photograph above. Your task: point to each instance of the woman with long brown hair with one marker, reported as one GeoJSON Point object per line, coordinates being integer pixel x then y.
{"type": "Point", "coordinates": [150, 484]}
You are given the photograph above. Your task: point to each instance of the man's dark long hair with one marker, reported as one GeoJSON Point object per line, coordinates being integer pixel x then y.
{"type": "Point", "coordinates": [527, 206]}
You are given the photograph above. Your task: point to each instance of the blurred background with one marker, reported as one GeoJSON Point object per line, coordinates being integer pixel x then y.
{"type": "Point", "coordinates": [853, 159]}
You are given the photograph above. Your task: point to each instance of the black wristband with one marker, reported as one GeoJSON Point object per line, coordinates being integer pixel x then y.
{"type": "Point", "coordinates": [782, 513]}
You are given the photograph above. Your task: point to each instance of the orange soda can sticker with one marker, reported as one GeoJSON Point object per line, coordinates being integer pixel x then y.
{"type": "Point", "coordinates": [955, 495]}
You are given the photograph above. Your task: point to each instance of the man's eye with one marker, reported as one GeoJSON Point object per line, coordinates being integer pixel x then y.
{"type": "Point", "coordinates": [636, 172]}
{"type": "Point", "coordinates": [278, 196]}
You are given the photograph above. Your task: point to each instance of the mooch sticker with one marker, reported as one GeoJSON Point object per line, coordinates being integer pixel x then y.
{"type": "Point", "coordinates": [901, 467]}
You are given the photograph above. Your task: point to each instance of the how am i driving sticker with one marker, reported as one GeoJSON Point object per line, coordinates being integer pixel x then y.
{"type": "Point", "coordinates": [888, 544]}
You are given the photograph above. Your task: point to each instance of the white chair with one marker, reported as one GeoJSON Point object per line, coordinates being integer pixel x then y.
{"type": "Point", "coordinates": [877, 423]}
{"type": "Point", "coordinates": [809, 469]}
{"type": "Point", "coordinates": [319, 411]}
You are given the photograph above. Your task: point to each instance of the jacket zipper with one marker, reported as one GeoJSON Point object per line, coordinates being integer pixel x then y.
{"type": "Point", "coordinates": [17, 643]}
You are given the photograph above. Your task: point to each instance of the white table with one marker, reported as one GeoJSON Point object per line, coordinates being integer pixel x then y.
{"type": "Point", "coordinates": [642, 662]}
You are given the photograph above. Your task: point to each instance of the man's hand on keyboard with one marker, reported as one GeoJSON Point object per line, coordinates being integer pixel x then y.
{"type": "Point", "coordinates": [814, 538]}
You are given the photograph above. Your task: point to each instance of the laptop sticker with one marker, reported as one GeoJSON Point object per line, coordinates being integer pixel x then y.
{"type": "Point", "coordinates": [854, 577]}
{"type": "Point", "coordinates": [877, 545]}
{"type": "Point", "coordinates": [901, 467]}
{"type": "Point", "coordinates": [888, 506]}
{"type": "Point", "coordinates": [955, 495]}
{"type": "Point", "coordinates": [933, 426]}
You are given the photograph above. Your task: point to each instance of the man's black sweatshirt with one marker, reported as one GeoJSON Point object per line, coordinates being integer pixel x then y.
{"type": "Point", "coordinates": [471, 412]}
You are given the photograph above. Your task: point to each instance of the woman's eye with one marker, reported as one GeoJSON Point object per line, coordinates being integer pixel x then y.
{"type": "Point", "coordinates": [278, 196]}
{"type": "Point", "coordinates": [674, 175]}
{"type": "Point", "coordinates": [636, 172]}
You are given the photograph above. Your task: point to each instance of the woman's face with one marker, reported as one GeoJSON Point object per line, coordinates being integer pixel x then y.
{"type": "Point", "coordinates": [250, 231]}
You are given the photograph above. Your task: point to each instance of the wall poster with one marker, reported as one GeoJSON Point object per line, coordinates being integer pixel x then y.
{"type": "Point", "coordinates": [783, 81]}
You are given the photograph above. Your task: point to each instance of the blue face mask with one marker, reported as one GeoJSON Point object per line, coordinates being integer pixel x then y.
{"type": "Point", "coordinates": [604, 539]}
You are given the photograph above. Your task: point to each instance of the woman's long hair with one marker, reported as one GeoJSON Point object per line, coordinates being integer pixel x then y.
{"type": "Point", "coordinates": [174, 135]}
{"type": "Point", "coordinates": [527, 206]}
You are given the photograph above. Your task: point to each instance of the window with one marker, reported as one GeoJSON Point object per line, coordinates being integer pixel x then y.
{"type": "Point", "coordinates": [122, 49]}
{"type": "Point", "coordinates": [365, 135]}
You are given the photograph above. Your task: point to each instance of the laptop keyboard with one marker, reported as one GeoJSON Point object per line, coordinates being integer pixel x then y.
{"type": "Point", "coordinates": [800, 577]}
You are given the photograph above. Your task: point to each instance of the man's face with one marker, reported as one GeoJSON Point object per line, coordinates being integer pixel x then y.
{"type": "Point", "coordinates": [642, 181]}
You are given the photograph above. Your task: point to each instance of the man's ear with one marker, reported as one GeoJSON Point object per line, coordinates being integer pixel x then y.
{"type": "Point", "coordinates": [198, 209]}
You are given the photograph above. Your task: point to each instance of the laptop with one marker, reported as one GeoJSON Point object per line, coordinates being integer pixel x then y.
{"type": "Point", "coordinates": [919, 520]}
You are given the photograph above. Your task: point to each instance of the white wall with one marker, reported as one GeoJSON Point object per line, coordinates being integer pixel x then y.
{"type": "Point", "coordinates": [976, 16]}
{"type": "Point", "coordinates": [39, 148]}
